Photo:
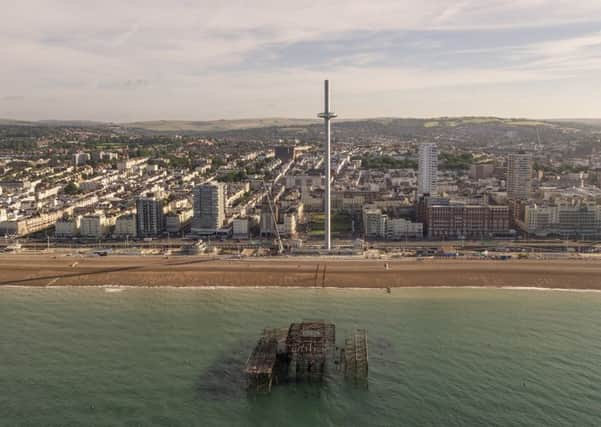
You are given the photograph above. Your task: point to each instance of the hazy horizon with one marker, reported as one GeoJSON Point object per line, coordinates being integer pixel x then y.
{"type": "Point", "coordinates": [295, 119]}
{"type": "Point", "coordinates": [146, 61]}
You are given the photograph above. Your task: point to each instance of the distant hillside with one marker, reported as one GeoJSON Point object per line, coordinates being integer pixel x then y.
{"type": "Point", "coordinates": [9, 122]}
{"type": "Point", "coordinates": [189, 126]}
{"type": "Point", "coordinates": [457, 121]}
{"type": "Point", "coordinates": [466, 129]}
{"type": "Point", "coordinates": [215, 125]}
{"type": "Point", "coordinates": [55, 123]}
{"type": "Point", "coordinates": [73, 123]}
{"type": "Point", "coordinates": [587, 122]}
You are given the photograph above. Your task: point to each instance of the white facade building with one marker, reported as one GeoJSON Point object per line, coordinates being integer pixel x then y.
{"type": "Point", "coordinates": [240, 228]}
{"type": "Point", "coordinates": [126, 225]}
{"type": "Point", "coordinates": [579, 221]}
{"type": "Point", "coordinates": [93, 226]}
{"type": "Point", "coordinates": [288, 227]}
{"type": "Point", "coordinates": [67, 227]}
{"type": "Point", "coordinates": [175, 221]}
{"type": "Point", "coordinates": [379, 226]}
{"type": "Point", "coordinates": [128, 164]}
{"type": "Point", "coordinates": [427, 179]}
{"type": "Point", "coordinates": [400, 228]}
{"type": "Point", "coordinates": [374, 223]}
{"type": "Point", "coordinates": [80, 158]}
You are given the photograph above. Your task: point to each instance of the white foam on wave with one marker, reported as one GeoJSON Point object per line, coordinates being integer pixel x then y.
{"type": "Point", "coordinates": [534, 288]}
{"type": "Point", "coordinates": [119, 288]}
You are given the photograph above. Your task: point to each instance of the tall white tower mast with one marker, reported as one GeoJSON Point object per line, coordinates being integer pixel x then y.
{"type": "Point", "coordinates": [327, 115]}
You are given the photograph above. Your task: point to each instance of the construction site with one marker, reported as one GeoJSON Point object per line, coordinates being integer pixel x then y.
{"type": "Point", "coordinates": [305, 352]}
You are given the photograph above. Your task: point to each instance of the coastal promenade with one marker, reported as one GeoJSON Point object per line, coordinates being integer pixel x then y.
{"type": "Point", "coordinates": [204, 271]}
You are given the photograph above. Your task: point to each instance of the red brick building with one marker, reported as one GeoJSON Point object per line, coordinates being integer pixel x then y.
{"type": "Point", "coordinates": [447, 220]}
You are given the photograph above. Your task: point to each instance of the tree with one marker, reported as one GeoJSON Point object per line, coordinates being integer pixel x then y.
{"type": "Point", "coordinates": [71, 188]}
{"type": "Point", "coordinates": [385, 162]}
{"type": "Point", "coordinates": [450, 161]}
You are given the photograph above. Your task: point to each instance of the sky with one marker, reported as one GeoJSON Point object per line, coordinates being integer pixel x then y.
{"type": "Point", "coordinates": [120, 61]}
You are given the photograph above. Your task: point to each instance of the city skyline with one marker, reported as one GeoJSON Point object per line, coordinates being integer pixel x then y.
{"type": "Point", "coordinates": [528, 58]}
{"type": "Point", "coordinates": [187, 239]}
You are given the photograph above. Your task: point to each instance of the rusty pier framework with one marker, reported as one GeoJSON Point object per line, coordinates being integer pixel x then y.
{"type": "Point", "coordinates": [304, 352]}
{"type": "Point", "coordinates": [354, 357]}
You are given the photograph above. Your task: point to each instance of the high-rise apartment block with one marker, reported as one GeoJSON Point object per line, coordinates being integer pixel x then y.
{"type": "Point", "coordinates": [427, 177]}
{"type": "Point", "coordinates": [519, 176]}
{"type": "Point", "coordinates": [209, 207]}
{"type": "Point", "coordinates": [149, 215]}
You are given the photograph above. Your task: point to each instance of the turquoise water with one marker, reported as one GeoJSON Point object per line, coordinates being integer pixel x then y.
{"type": "Point", "coordinates": [172, 357]}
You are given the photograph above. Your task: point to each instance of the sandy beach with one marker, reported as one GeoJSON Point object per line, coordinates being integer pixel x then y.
{"type": "Point", "coordinates": [47, 270]}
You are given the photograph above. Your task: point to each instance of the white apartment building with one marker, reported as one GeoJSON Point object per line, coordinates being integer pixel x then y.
{"type": "Point", "coordinates": [374, 223]}
{"type": "Point", "coordinates": [81, 158]}
{"type": "Point", "coordinates": [240, 228]}
{"type": "Point", "coordinates": [400, 228]}
{"type": "Point", "coordinates": [67, 227]}
{"type": "Point", "coordinates": [126, 225]}
{"type": "Point", "coordinates": [175, 221]}
{"type": "Point", "coordinates": [379, 226]}
{"type": "Point", "coordinates": [427, 177]}
{"type": "Point", "coordinates": [93, 226]}
{"type": "Point", "coordinates": [288, 227]}
{"type": "Point", "coordinates": [578, 221]}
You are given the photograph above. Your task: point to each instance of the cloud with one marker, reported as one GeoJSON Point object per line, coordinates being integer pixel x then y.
{"type": "Point", "coordinates": [201, 59]}
{"type": "Point", "coordinates": [130, 84]}
{"type": "Point", "coordinates": [12, 98]}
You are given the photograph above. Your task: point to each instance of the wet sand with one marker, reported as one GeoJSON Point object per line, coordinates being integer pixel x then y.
{"type": "Point", "coordinates": [47, 270]}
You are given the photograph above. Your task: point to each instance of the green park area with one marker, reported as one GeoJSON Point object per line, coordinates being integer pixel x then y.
{"type": "Point", "coordinates": [341, 224]}
{"type": "Point", "coordinates": [379, 162]}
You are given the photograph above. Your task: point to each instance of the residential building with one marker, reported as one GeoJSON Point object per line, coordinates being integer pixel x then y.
{"type": "Point", "coordinates": [519, 176]}
{"type": "Point", "coordinates": [177, 220]}
{"type": "Point", "coordinates": [240, 228]}
{"type": "Point", "coordinates": [209, 208]}
{"type": "Point", "coordinates": [427, 179]}
{"type": "Point", "coordinates": [374, 223]}
{"type": "Point", "coordinates": [380, 226]}
{"type": "Point", "coordinates": [80, 158]}
{"type": "Point", "coordinates": [444, 219]}
{"type": "Point", "coordinates": [126, 226]}
{"type": "Point", "coordinates": [579, 221]}
{"type": "Point", "coordinates": [481, 171]}
{"type": "Point", "coordinates": [401, 228]}
{"type": "Point", "coordinates": [128, 164]}
{"type": "Point", "coordinates": [93, 226]}
{"type": "Point", "coordinates": [149, 216]}
{"type": "Point", "coordinates": [67, 227]}
{"type": "Point", "coordinates": [285, 153]}
{"type": "Point", "coordinates": [288, 227]}
{"type": "Point", "coordinates": [268, 219]}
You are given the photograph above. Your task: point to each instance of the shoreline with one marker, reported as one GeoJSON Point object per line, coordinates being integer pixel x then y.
{"type": "Point", "coordinates": [116, 288]}
{"type": "Point", "coordinates": [203, 272]}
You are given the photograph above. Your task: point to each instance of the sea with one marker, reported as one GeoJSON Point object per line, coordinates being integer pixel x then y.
{"type": "Point", "coordinates": [77, 356]}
